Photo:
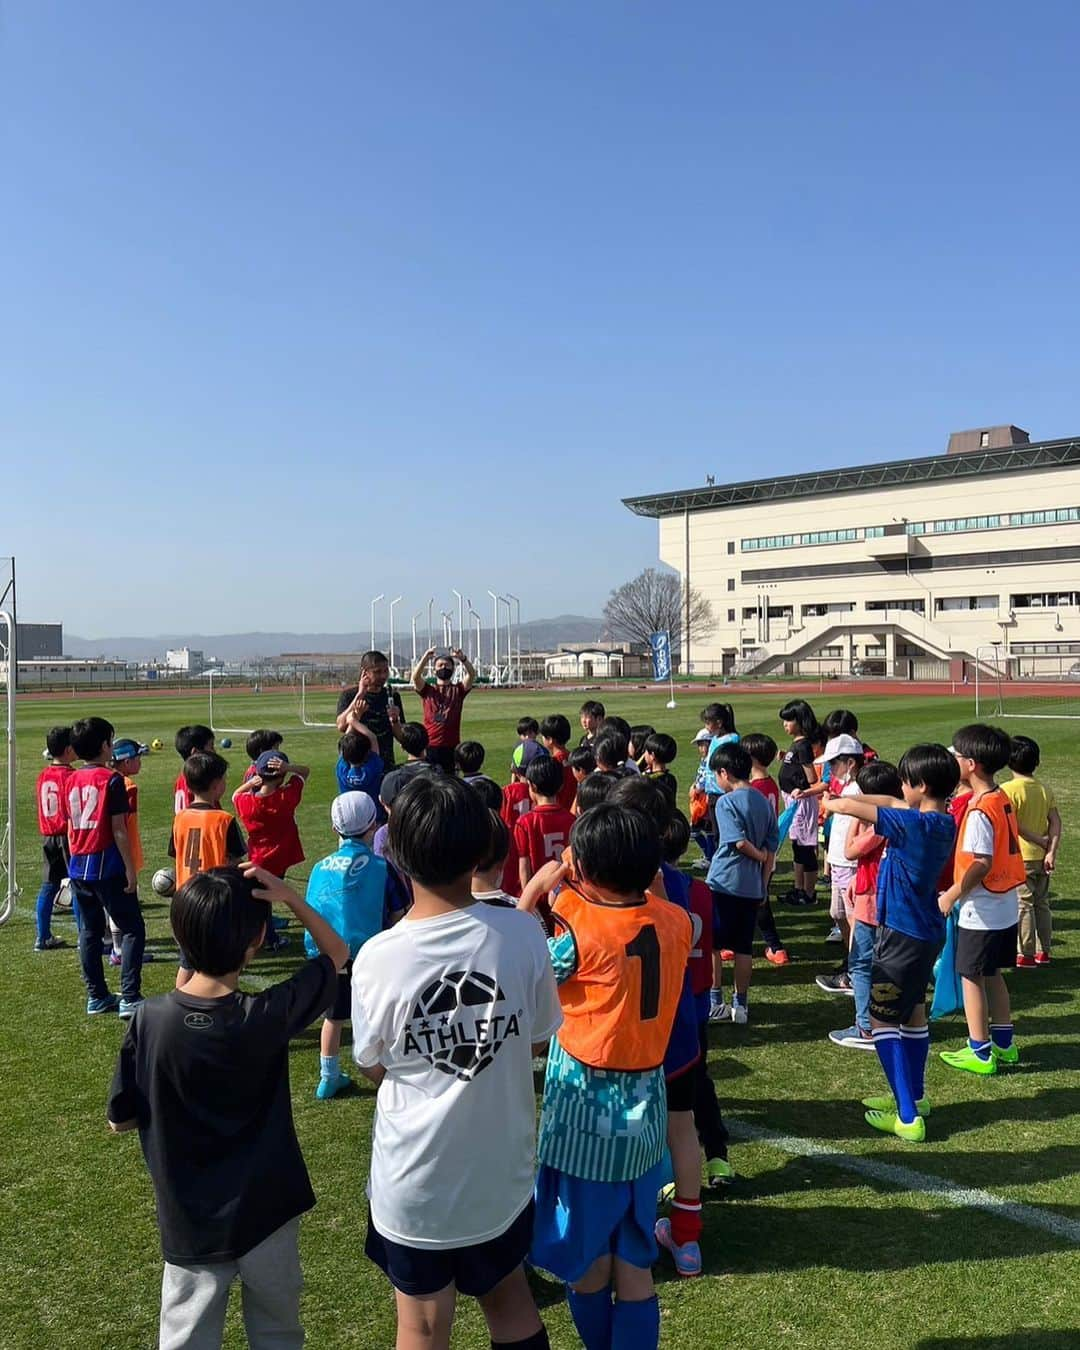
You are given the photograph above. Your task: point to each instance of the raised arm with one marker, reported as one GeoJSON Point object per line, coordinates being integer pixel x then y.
{"type": "Point", "coordinates": [418, 681]}
{"type": "Point", "coordinates": [470, 670]}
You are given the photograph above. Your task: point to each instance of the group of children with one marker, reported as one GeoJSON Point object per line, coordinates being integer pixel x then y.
{"type": "Point", "coordinates": [411, 928]}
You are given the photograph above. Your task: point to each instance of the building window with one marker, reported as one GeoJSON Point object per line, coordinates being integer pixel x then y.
{"type": "Point", "coordinates": [914, 606]}
{"type": "Point", "coordinates": [731, 583]}
{"type": "Point", "coordinates": [984, 441]}
{"type": "Point", "coordinates": [1047, 600]}
{"type": "Point", "coordinates": [731, 616]}
{"type": "Point", "coordinates": [949, 604]}
{"type": "Point", "coordinates": [731, 546]}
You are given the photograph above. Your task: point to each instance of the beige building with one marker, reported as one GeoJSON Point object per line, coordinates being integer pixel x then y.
{"type": "Point", "coordinates": [906, 568]}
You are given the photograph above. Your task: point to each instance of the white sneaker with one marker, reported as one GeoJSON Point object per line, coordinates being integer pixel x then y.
{"type": "Point", "coordinates": [739, 1015]}
{"type": "Point", "coordinates": [719, 1012]}
{"type": "Point", "coordinates": [700, 864]}
{"type": "Point", "coordinates": [835, 934]}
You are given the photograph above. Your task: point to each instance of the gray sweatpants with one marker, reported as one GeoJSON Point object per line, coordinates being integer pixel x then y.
{"type": "Point", "coordinates": [194, 1299]}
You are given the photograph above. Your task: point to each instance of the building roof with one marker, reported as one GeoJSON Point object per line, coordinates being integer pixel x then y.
{"type": "Point", "coordinates": [860, 478]}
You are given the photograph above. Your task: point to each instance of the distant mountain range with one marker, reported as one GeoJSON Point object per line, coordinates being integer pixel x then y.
{"type": "Point", "coordinates": [539, 635]}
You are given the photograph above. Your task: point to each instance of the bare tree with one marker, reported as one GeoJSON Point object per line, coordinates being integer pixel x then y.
{"type": "Point", "coordinates": [655, 602]}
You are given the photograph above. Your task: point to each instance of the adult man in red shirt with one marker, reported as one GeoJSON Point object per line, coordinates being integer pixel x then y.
{"type": "Point", "coordinates": [442, 704]}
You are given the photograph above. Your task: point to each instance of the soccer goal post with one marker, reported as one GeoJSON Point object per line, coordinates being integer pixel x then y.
{"type": "Point", "coordinates": [305, 718]}
{"type": "Point", "coordinates": [9, 889]}
{"type": "Point", "coordinates": [1036, 686]}
{"type": "Point", "coordinates": [214, 727]}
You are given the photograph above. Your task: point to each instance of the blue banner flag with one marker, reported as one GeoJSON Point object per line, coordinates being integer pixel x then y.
{"type": "Point", "coordinates": [661, 655]}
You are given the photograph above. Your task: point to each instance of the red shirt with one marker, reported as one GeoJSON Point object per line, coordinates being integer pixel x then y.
{"type": "Point", "coordinates": [273, 839]}
{"type": "Point", "coordinates": [701, 949]}
{"type": "Point", "coordinates": [866, 875]}
{"type": "Point", "coordinates": [182, 796]}
{"type": "Point", "coordinates": [442, 713]}
{"type": "Point", "coordinates": [511, 877]}
{"type": "Point", "coordinates": [515, 803]}
{"type": "Point", "coordinates": [52, 790]}
{"type": "Point", "coordinates": [768, 788]}
{"type": "Point", "coordinates": [94, 793]}
{"type": "Point", "coordinates": [543, 833]}
{"type": "Point", "coordinates": [568, 791]}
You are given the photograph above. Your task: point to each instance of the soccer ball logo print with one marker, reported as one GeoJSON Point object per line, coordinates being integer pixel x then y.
{"type": "Point", "coordinates": [459, 1023]}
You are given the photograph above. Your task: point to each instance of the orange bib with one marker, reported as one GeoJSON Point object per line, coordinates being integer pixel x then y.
{"type": "Point", "coordinates": [200, 839]}
{"type": "Point", "coordinates": [619, 1006]}
{"type": "Point", "coordinates": [1007, 863]}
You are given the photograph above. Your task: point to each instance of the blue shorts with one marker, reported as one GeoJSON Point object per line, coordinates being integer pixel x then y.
{"type": "Point", "coordinates": [578, 1221]}
{"type": "Point", "coordinates": [475, 1270]}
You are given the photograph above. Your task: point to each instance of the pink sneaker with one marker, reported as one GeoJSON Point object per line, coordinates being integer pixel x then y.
{"type": "Point", "coordinates": [1041, 958]}
{"type": "Point", "coordinates": [1023, 962]}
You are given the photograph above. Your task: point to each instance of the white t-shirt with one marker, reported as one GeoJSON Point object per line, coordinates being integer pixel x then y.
{"type": "Point", "coordinates": [841, 828]}
{"type": "Point", "coordinates": [983, 909]}
{"type": "Point", "coordinates": [451, 1007]}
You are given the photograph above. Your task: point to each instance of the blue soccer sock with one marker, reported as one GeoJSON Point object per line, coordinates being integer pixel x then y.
{"type": "Point", "coordinates": [916, 1045]}
{"type": "Point", "coordinates": [1002, 1035]}
{"type": "Point", "coordinates": [329, 1066]}
{"type": "Point", "coordinates": [741, 1000]}
{"type": "Point", "coordinates": [46, 898]}
{"type": "Point", "coordinates": [980, 1048]}
{"type": "Point", "coordinates": [636, 1325]}
{"type": "Point", "coordinates": [890, 1052]}
{"type": "Point", "coordinates": [593, 1316]}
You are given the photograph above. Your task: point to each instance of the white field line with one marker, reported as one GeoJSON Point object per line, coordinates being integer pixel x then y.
{"type": "Point", "coordinates": [907, 1179]}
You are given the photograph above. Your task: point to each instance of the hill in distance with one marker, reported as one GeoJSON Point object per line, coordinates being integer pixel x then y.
{"type": "Point", "coordinates": [539, 635]}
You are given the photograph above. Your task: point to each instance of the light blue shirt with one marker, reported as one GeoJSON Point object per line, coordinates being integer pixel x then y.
{"type": "Point", "coordinates": [742, 814]}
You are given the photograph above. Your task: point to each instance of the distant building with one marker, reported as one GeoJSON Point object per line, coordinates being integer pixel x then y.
{"type": "Point", "coordinates": [66, 672]}
{"type": "Point", "coordinates": [36, 640]}
{"type": "Point", "coordinates": [904, 569]}
{"type": "Point", "coordinates": [598, 661]}
{"type": "Point", "coordinates": [184, 661]}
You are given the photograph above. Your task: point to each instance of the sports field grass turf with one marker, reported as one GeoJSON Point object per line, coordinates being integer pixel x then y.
{"type": "Point", "coordinates": [801, 1252]}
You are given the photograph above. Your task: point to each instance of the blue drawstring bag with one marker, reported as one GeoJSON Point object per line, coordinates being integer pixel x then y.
{"type": "Point", "coordinates": [783, 823]}
{"type": "Point", "coordinates": [948, 992]}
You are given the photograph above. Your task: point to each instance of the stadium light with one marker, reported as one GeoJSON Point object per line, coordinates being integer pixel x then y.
{"type": "Point", "coordinates": [373, 604]}
{"type": "Point", "coordinates": [396, 601]}
{"type": "Point", "coordinates": [479, 634]}
{"type": "Point", "coordinates": [517, 625]}
{"type": "Point", "coordinates": [509, 643]}
{"type": "Point", "coordinates": [460, 616]}
{"type": "Point", "coordinates": [418, 615]}
{"type": "Point", "coordinates": [495, 635]}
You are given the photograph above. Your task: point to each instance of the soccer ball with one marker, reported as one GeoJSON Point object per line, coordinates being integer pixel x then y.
{"type": "Point", "coordinates": [63, 895]}
{"type": "Point", "coordinates": [164, 881]}
{"type": "Point", "coordinates": [457, 1026]}
{"type": "Point", "coordinates": [226, 743]}
{"type": "Point", "coordinates": [156, 743]}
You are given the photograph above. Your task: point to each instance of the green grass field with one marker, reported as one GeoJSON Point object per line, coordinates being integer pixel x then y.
{"type": "Point", "coordinates": [802, 1252]}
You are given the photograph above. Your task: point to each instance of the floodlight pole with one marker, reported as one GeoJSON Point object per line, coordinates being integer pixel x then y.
{"type": "Point", "coordinates": [509, 644]}
{"type": "Point", "coordinates": [495, 636]}
{"type": "Point", "coordinates": [479, 634]}
{"type": "Point", "coordinates": [7, 901]}
{"type": "Point", "coordinates": [430, 630]}
{"type": "Point", "coordinates": [517, 626]}
{"type": "Point", "coordinates": [419, 614]}
{"type": "Point", "coordinates": [373, 604]}
{"type": "Point", "coordinates": [396, 601]}
{"type": "Point", "coordinates": [460, 616]}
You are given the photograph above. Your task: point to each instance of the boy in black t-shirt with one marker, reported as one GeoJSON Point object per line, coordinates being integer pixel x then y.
{"type": "Point", "coordinates": [204, 1076]}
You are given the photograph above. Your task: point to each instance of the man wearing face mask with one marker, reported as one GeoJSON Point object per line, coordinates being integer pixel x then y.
{"type": "Point", "coordinates": [442, 704]}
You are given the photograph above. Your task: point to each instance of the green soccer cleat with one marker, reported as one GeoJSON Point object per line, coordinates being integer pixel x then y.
{"type": "Point", "coordinates": [888, 1122]}
{"type": "Point", "coordinates": [969, 1061]}
{"type": "Point", "coordinates": [666, 1194]}
{"type": "Point", "coordinates": [887, 1104]}
{"type": "Point", "coordinates": [718, 1172]}
{"type": "Point", "coordinates": [1009, 1056]}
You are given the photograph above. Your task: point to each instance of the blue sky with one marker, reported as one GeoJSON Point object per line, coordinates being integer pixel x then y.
{"type": "Point", "coordinates": [308, 302]}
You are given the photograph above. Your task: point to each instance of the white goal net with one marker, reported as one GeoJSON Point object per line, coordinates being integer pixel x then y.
{"type": "Point", "coordinates": [1040, 685]}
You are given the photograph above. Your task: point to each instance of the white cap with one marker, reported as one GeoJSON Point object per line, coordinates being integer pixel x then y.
{"type": "Point", "coordinates": [352, 814]}
{"type": "Point", "coordinates": [839, 747]}
{"type": "Point", "coordinates": [702, 735]}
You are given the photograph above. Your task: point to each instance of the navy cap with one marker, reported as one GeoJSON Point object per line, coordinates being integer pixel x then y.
{"type": "Point", "coordinates": [266, 758]}
{"type": "Point", "coordinates": [126, 748]}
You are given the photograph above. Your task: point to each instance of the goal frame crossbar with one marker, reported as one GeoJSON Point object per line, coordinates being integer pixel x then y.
{"type": "Point", "coordinates": [994, 684]}
{"type": "Point", "coordinates": [218, 730]}
{"type": "Point", "coordinates": [304, 719]}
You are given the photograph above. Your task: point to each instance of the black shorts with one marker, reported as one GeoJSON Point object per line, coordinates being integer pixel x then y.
{"type": "Point", "coordinates": [341, 1008]}
{"type": "Point", "coordinates": [681, 1090]}
{"type": "Point", "coordinates": [476, 1270]}
{"type": "Point", "coordinates": [899, 975]}
{"type": "Point", "coordinates": [734, 920]}
{"type": "Point", "coordinates": [980, 952]}
{"type": "Point", "coordinates": [805, 855]}
{"type": "Point", "coordinates": [54, 849]}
